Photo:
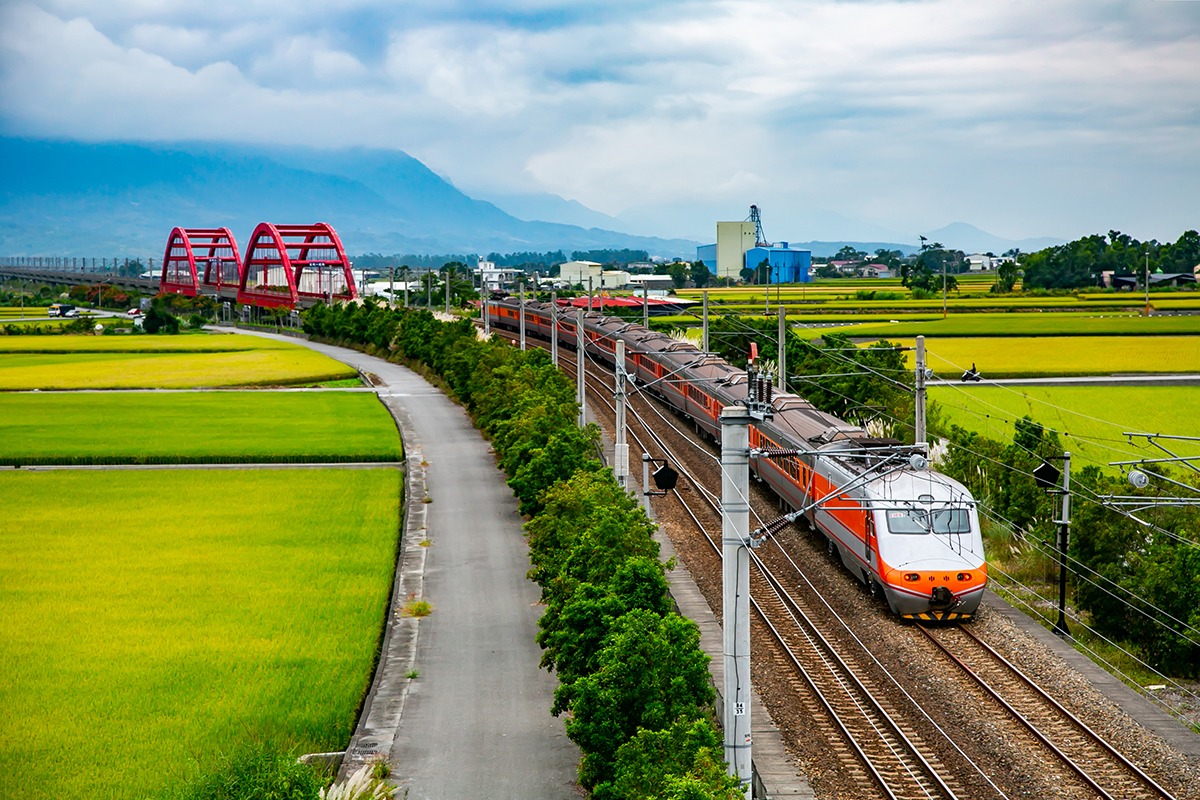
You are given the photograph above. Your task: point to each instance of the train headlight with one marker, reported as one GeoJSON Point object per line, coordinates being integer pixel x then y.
{"type": "Point", "coordinates": [964, 576]}
{"type": "Point", "coordinates": [911, 576]}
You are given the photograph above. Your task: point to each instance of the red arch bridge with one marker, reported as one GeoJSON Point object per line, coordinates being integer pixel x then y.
{"type": "Point", "coordinates": [285, 266]}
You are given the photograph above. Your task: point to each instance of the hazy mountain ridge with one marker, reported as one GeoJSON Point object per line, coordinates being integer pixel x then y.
{"type": "Point", "coordinates": [66, 198]}
{"type": "Point", "coordinates": [78, 199]}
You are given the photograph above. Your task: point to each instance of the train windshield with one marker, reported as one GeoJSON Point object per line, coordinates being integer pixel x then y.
{"type": "Point", "coordinates": [947, 520]}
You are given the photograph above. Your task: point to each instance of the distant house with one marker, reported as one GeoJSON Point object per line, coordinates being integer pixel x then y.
{"type": "Point", "coordinates": [1172, 278]}
{"type": "Point", "coordinates": [578, 272]}
{"type": "Point", "coordinates": [980, 262]}
{"type": "Point", "coordinates": [845, 267]}
{"type": "Point", "coordinates": [877, 271]}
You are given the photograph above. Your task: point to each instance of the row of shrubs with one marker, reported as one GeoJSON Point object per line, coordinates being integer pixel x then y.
{"type": "Point", "coordinates": [630, 671]}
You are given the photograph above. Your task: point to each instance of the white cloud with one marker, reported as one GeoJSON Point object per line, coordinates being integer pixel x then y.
{"type": "Point", "coordinates": [1038, 117]}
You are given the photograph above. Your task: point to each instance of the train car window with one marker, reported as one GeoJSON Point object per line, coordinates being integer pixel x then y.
{"type": "Point", "coordinates": [951, 520]}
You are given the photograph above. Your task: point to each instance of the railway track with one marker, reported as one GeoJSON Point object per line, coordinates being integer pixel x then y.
{"type": "Point", "coordinates": [1083, 752]}
{"type": "Point", "coordinates": [868, 718]}
{"type": "Point", "coordinates": [876, 747]}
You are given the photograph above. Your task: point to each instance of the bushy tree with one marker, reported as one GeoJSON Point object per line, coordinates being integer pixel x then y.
{"type": "Point", "coordinates": [683, 761]}
{"type": "Point", "coordinates": [651, 674]}
{"type": "Point", "coordinates": [159, 319]}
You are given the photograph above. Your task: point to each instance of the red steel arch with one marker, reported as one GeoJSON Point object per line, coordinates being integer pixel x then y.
{"type": "Point", "coordinates": [189, 250]}
{"type": "Point", "coordinates": [285, 263]}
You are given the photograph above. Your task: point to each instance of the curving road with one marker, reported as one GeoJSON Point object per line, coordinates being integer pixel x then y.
{"type": "Point", "coordinates": [476, 722]}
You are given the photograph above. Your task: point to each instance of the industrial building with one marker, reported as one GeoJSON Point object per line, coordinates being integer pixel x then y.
{"type": "Point", "coordinates": [740, 245]}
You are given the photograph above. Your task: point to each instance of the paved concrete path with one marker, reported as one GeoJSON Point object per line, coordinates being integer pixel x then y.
{"type": "Point", "coordinates": [476, 723]}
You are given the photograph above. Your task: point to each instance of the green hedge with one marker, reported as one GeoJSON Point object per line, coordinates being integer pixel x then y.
{"type": "Point", "coordinates": [630, 671]}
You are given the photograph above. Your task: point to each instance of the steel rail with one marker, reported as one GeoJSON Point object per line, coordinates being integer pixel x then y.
{"type": "Point", "coordinates": [1089, 734]}
{"type": "Point", "coordinates": [924, 777]}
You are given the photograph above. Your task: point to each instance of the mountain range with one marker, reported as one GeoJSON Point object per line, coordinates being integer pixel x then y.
{"type": "Point", "coordinates": [66, 198]}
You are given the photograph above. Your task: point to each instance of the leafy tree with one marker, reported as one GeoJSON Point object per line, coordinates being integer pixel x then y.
{"type": "Point", "coordinates": [159, 319]}
{"type": "Point", "coordinates": [679, 274]}
{"type": "Point", "coordinates": [700, 274]}
{"type": "Point", "coordinates": [651, 674]}
{"type": "Point", "coordinates": [1006, 277]}
{"type": "Point", "coordinates": [570, 508]}
{"type": "Point", "coordinates": [684, 760]}
{"type": "Point", "coordinates": [849, 253]}
{"type": "Point", "coordinates": [889, 258]}
{"type": "Point", "coordinates": [573, 636]}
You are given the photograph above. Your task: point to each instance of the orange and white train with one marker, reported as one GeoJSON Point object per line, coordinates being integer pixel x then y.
{"type": "Point", "coordinates": [904, 530]}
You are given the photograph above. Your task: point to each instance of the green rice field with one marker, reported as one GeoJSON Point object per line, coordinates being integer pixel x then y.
{"type": "Point", "coordinates": [1018, 324]}
{"type": "Point", "coordinates": [1066, 355]}
{"type": "Point", "coordinates": [148, 427]}
{"type": "Point", "coordinates": [1091, 419]}
{"type": "Point", "coordinates": [143, 343]}
{"type": "Point", "coordinates": [156, 619]}
{"type": "Point", "coordinates": [96, 369]}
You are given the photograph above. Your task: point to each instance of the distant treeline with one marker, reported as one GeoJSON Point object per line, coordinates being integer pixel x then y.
{"type": "Point", "coordinates": [1079, 264]}
{"type": "Point", "coordinates": [528, 261]}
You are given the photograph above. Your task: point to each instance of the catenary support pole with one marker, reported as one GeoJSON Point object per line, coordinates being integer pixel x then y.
{"type": "Point", "coordinates": [449, 272]}
{"type": "Point", "coordinates": [486, 306]}
{"type": "Point", "coordinates": [391, 287]}
{"type": "Point", "coordinates": [781, 381]}
{"type": "Point", "coordinates": [554, 328]}
{"type": "Point", "coordinates": [1064, 528]}
{"type": "Point", "coordinates": [621, 448]}
{"type": "Point", "coordinates": [522, 299]}
{"type": "Point", "coordinates": [645, 305]}
{"type": "Point", "coordinates": [919, 404]}
{"type": "Point", "coordinates": [735, 572]}
{"type": "Point", "coordinates": [704, 322]}
{"type": "Point", "coordinates": [646, 482]}
{"type": "Point", "coordinates": [580, 355]}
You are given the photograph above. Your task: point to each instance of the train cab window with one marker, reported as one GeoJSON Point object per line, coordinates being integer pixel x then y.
{"type": "Point", "coordinates": [918, 521]}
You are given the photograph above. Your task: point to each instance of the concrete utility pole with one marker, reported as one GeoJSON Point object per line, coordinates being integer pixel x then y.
{"type": "Point", "coordinates": [554, 328]}
{"type": "Point", "coordinates": [522, 296]}
{"type": "Point", "coordinates": [645, 306]}
{"type": "Point", "coordinates": [449, 270]}
{"type": "Point", "coordinates": [919, 404]}
{"type": "Point", "coordinates": [589, 293]}
{"type": "Point", "coordinates": [704, 323]}
{"type": "Point", "coordinates": [781, 381]}
{"type": "Point", "coordinates": [1064, 528]}
{"type": "Point", "coordinates": [392, 287]}
{"type": "Point", "coordinates": [404, 275]}
{"type": "Point", "coordinates": [580, 395]}
{"type": "Point", "coordinates": [621, 449]}
{"type": "Point", "coordinates": [735, 577]}
{"type": "Point", "coordinates": [483, 296]}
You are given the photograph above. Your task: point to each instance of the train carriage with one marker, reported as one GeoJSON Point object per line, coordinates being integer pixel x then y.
{"type": "Point", "coordinates": [902, 529]}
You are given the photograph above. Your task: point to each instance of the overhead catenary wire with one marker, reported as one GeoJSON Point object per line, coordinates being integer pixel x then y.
{"type": "Point", "coordinates": [1008, 522]}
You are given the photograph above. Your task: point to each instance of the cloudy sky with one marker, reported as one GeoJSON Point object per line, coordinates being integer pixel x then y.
{"type": "Point", "coordinates": [839, 118]}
